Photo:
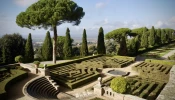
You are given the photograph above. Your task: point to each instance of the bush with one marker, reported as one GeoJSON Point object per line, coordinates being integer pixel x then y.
{"type": "Point", "coordinates": [119, 85]}
{"type": "Point", "coordinates": [36, 62]}
{"type": "Point", "coordinates": [19, 58]}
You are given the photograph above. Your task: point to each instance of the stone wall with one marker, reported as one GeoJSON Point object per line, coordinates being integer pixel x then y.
{"type": "Point", "coordinates": [168, 93]}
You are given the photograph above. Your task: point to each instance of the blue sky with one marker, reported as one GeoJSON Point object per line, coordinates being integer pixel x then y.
{"type": "Point", "coordinates": [110, 14]}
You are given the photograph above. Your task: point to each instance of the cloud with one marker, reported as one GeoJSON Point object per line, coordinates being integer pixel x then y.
{"type": "Point", "coordinates": [170, 23]}
{"type": "Point", "coordinates": [100, 5]}
{"type": "Point", "coordinates": [24, 3]}
{"type": "Point", "coordinates": [159, 24]}
{"type": "Point", "coordinates": [111, 25]}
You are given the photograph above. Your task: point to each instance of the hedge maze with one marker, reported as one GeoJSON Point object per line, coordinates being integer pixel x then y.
{"type": "Point", "coordinates": [157, 72]}
{"type": "Point", "coordinates": [78, 73]}
{"type": "Point", "coordinates": [145, 87]}
{"type": "Point", "coordinates": [152, 79]}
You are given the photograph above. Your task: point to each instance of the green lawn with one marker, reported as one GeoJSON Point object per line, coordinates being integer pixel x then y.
{"type": "Point", "coordinates": [158, 53]}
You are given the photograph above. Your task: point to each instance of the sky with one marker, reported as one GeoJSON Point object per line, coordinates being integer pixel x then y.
{"type": "Point", "coordinates": [109, 14]}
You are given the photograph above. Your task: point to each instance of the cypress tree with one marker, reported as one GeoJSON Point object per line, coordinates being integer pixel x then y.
{"type": "Point", "coordinates": [100, 43]}
{"type": "Point", "coordinates": [29, 53]}
{"type": "Point", "coordinates": [163, 36]}
{"type": "Point", "coordinates": [47, 47]}
{"type": "Point", "coordinates": [144, 40]}
{"type": "Point", "coordinates": [152, 37]}
{"type": "Point", "coordinates": [158, 33]}
{"type": "Point", "coordinates": [67, 49]}
{"type": "Point", "coordinates": [84, 47]}
{"type": "Point", "coordinates": [123, 48]}
{"type": "Point", "coordinates": [137, 43]}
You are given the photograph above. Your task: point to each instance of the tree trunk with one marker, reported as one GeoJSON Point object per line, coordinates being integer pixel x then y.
{"type": "Point", "coordinates": [54, 43]}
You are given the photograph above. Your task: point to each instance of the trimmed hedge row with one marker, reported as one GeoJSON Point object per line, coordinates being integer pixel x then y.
{"type": "Point", "coordinates": [19, 75]}
{"type": "Point", "coordinates": [125, 58]}
{"type": "Point", "coordinates": [145, 88]}
{"type": "Point", "coordinates": [149, 70]}
{"type": "Point", "coordinates": [163, 62]}
{"type": "Point", "coordinates": [73, 61]}
{"type": "Point", "coordinates": [77, 83]}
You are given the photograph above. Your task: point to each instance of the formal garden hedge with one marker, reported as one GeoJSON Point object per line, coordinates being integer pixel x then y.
{"type": "Point", "coordinates": [73, 61]}
{"type": "Point", "coordinates": [144, 87]}
{"type": "Point", "coordinates": [14, 76]}
{"type": "Point", "coordinates": [163, 62]}
{"type": "Point", "coordinates": [78, 72]}
{"type": "Point", "coordinates": [158, 72]}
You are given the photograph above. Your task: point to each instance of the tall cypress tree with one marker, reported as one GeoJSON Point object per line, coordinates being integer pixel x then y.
{"type": "Point", "coordinates": [84, 47]}
{"type": "Point", "coordinates": [100, 43]}
{"type": "Point", "coordinates": [158, 33]}
{"type": "Point", "coordinates": [152, 37]}
{"type": "Point", "coordinates": [123, 51]}
{"type": "Point", "coordinates": [67, 49]}
{"type": "Point", "coordinates": [144, 40]}
{"type": "Point", "coordinates": [47, 47]}
{"type": "Point", "coordinates": [29, 53]}
{"type": "Point", "coordinates": [163, 36]}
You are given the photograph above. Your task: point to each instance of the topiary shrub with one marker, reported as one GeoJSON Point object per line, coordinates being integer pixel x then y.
{"type": "Point", "coordinates": [119, 85]}
{"type": "Point", "coordinates": [19, 59]}
{"type": "Point", "coordinates": [36, 63]}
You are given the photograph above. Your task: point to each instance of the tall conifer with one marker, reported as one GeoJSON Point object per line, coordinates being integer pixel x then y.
{"type": "Point", "coordinates": [67, 49]}
{"type": "Point", "coordinates": [47, 47]}
{"type": "Point", "coordinates": [100, 43]}
{"type": "Point", "coordinates": [29, 53]}
{"type": "Point", "coordinates": [84, 47]}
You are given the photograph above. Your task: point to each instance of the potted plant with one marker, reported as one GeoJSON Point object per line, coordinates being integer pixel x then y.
{"type": "Point", "coordinates": [19, 59]}
{"type": "Point", "coordinates": [36, 63]}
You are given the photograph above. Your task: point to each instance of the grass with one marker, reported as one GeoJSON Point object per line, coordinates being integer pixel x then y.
{"type": "Point", "coordinates": [14, 73]}
{"type": "Point", "coordinates": [158, 53]}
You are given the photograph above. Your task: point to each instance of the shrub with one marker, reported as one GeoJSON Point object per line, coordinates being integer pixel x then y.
{"type": "Point", "coordinates": [19, 58]}
{"type": "Point", "coordinates": [36, 62]}
{"type": "Point", "coordinates": [119, 85]}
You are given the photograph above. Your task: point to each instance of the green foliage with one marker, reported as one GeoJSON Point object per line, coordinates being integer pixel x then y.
{"type": "Point", "coordinates": [92, 49]}
{"type": "Point", "coordinates": [11, 46]}
{"type": "Point", "coordinates": [60, 45]}
{"type": "Point", "coordinates": [100, 43]}
{"type": "Point", "coordinates": [19, 58]}
{"type": "Point", "coordinates": [123, 48]}
{"type": "Point", "coordinates": [17, 76]}
{"type": "Point", "coordinates": [111, 47]}
{"type": "Point", "coordinates": [137, 43]}
{"type": "Point", "coordinates": [76, 51]}
{"type": "Point", "coordinates": [84, 47]}
{"type": "Point", "coordinates": [117, 34]}
{"type": "Point", "coordinates": [163, 62]}
{"type": "Point", "coordinates": [163, 36]}
{"type": "Point", "coordinates": [36, 62]}
{"type": "Point", "coordinates": [47, 47]}
{"type": "Point", "coordinates": [50, 13]}
{"type": "Point", "coordinates": [119, 85]}
{"type": "Point", "coordinates": [29, 53]}
{"type": "Point", "coordinates": [67, 49]}
{"type": "Point", "coordinates": [139, 31]}
{"type": "Point", "coordinates": [158, 34]}
{"type": "Point", "coordinates": [152, 37]}
{"type": "Point", "coordinates": [144, 40]}
{"type": "Point", "coordinates": [132, 46]}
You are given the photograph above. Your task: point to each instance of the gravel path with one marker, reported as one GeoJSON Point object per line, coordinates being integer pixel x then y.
{"type": "Point", "coordinates": [169, 54]}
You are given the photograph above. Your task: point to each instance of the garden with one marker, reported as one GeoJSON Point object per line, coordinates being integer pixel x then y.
{"type": "Point", "coordinates": [76, 73]}
{"type": "Point", "coordinates": [9, 75]}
